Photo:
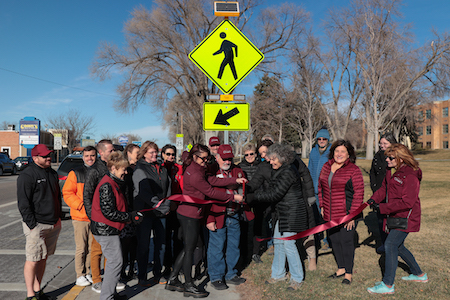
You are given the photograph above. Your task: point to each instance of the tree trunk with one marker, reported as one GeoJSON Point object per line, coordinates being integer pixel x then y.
{"type": "Point", "coordinates": [369, 147]}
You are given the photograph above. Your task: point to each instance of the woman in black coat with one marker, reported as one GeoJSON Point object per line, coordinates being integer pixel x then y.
{"type": "Point", "coordinates": [377, 174]}
{"type": "Point", "coordinates": [291, 214]}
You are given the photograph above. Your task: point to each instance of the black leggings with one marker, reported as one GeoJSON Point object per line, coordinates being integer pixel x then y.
{"type": "Point", "coordinates": [343, 245]}
{"type": "Point", "coordinates": [190, 232]}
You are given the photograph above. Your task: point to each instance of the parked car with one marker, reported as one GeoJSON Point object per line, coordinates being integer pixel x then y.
{"type": "Point", "coordinates": [7, 165]}
{"type": "Point", "coordinates": [22, 162]}
{"type": "Point", "coordinates": [70, 162]}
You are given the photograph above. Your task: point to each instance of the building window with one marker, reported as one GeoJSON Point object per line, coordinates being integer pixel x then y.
{"type": "Point", "coordinates": [420, 116]}
{"type": "Point", "coordinates": [445, 145]}
{"type": "Point", "coordinates": [445, 112]}
{"type": "Point", "coordinates": [428, 145]}
{"type": "Point", "coordinates": [420, 131]}
{"type": "Point", "coordinates": [429, 130]}
{"type": "Point", "coordinates": [445, 129]}
{"type": "Point", "coordinates": [428, 113]}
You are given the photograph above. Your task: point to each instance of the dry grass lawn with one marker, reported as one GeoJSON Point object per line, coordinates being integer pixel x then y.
{"type": "Point", "coordinates": [430, 247]}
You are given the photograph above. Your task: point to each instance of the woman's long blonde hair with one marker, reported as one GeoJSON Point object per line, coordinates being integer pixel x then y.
{"type": "Point", "coordinates": [400, 151]}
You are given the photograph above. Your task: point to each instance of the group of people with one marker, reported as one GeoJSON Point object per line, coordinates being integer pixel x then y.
{"type": "Point", "coordinates": [213, 213]}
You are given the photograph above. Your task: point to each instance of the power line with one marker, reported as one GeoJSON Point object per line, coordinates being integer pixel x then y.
{"type": "Point", "coordinates": [60, 84]}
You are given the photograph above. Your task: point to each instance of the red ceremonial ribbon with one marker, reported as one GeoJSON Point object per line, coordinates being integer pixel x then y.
{"type": "Point", "coordinates": [322, 227]}
{"type": "Point", "coordinates": [184, 198]}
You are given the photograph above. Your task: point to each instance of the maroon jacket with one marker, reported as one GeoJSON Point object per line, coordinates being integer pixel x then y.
{"type": "Point", "coordinates": [346, 193]}
{"type": "Point", "coordinates": [197, 185]}
{"type": "Point", "coordinates": [216, 212]}
{"type": "Point", "coordinates": [403, 195]}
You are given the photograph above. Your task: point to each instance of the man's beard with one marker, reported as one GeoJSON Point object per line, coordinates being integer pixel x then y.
{"type": "Point", "coordinates": [225, 167]}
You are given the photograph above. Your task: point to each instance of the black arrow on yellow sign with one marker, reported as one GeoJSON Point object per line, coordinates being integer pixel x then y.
{"type": "Point", "coordinates": [222, 119]}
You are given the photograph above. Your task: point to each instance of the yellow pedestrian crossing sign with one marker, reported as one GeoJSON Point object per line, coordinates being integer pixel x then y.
{"type": "Point", "coordinates": [226, 56]}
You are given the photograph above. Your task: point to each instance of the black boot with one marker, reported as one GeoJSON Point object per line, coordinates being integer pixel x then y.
{"type": "Point", "coordinates": [174, 284]}
{"type": "Point", "coordinates": [191, 290]}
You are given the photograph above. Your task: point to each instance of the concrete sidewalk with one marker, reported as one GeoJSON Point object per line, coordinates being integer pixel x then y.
{"type": "Point", "coordinates": [62, 288]}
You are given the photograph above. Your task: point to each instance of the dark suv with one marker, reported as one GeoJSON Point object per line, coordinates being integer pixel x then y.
{"type": "Point", "coordinates": [7, 165]}
{"type": "Point", "coordinates": [70, 162]}
{"type": "Point", "coordinates": [22, 162]}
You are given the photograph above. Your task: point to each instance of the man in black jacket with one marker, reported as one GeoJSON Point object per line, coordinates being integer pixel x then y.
{"type": "Point", "coordinates": [39, 202]}
{"type": "Point", "coordinates": [93, 177]}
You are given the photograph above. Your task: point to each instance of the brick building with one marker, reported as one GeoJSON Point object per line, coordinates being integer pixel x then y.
{"type": "Point", "coordinates": [432, 126]}
{"type": "Point", "coordinates": [9, 143]}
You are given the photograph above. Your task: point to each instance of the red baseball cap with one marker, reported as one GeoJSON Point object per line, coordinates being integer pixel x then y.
{"type": "Point", "coordinates": [40, 150]}
{"type": "Point", "coordinates": [214, 140]}
{"type": "Point", "coordinates": [225, 151]}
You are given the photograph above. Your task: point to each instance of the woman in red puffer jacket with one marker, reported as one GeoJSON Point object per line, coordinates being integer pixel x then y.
{"type": "Point", "coordinates": [341, 192]}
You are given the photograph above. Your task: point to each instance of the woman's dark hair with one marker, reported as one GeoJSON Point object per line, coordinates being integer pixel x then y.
{"type": "Point", "coordinates": [347, 145]}
{"type": "Point", "coordinates": [389, 136]}
{"type": "Point", "coordinates": [197, 149]}
{"type": "Point", "coordinates": [266, 143]}
{"type": "Point", "coordinates": [129, 148]}
{"type": "Point", "coordinates": [168, 146]}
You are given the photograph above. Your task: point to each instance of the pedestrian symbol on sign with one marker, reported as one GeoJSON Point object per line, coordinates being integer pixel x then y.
{"type": "Point", "coordinates": [227, 49]}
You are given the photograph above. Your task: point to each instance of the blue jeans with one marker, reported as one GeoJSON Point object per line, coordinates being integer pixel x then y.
{"type": "Point", "coordinates": [286, 249]}
{"type": "Point", "coordinates": [223, 250]}
{"type": "Point", "coordinates": [143, 233]}
{"type": "Point", "coordinates": [394, 247]}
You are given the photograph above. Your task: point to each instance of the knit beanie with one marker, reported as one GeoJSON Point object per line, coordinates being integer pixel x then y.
{"type": "Point", "coordinates": [323, 133]}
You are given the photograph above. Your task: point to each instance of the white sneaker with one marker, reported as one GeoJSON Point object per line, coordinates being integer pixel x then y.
{"type": "Point", "coordinates": [120, 286]}
{"type": "Point", "coordinates": [82, 281]}
{"type": "Point", "coordinates": [97, 287]}
{"type": "Point", "coordinates": [89, 278]}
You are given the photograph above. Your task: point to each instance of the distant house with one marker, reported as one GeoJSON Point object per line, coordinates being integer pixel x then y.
{"type": "Point", "coordinates": [432, 125]}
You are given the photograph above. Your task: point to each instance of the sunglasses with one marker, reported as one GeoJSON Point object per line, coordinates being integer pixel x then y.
{"type": "Point", "coordinates": [227, 159]}
{"type": "Point", "coordinates": [249, 154]}
{"type": "Point", "coordinates": [204, 159]}
{"type": "Point", "coordinates": [322, 139]}
{"type": "Point", "coordinates": [390, 158]}
{"type": "Point", "coordinates": [170, 154]}
{"type": "Point", "coordinates": [47, 156]}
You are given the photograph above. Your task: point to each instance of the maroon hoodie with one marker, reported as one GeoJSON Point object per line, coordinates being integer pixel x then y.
{"type": "Point", "coordinates": [403, 195]}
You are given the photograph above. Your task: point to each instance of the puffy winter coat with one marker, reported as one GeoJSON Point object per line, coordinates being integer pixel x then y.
{"type": "Point", "coordinates": [315, 164]}
{"type": "Point", "coordinates": [403, 195]}
{"type": "Point", "coordinates": [285, 191]}
{"type": "Point", "coordinates": [73, 193]}
{"type": "Point", "coordinates": [249, 168]}
{"type": "Point", "coordinates": [346, 192]}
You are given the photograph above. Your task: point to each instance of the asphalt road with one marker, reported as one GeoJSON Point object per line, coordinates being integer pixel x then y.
{"type": "Point", "coordinates": [12, 246]}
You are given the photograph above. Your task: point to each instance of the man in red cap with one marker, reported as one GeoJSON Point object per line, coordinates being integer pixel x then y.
{"type": "Point", "coordinates": [224, 229]}
{"type": "Point", "coordinates": [214, 144]}
{"type": "Point", "coordinates": [39, 202]}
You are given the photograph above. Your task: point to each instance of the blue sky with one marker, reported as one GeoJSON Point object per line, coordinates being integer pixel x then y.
{"type": "Point", "coordinates": [56, 41]}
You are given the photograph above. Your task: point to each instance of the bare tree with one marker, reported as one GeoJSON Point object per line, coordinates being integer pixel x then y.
{"type": "Point", "coordinates": [390, 67]}
{"type": "Point", "coordinates": [74, 122]}
{"type": "Point", "coordinates": [155, 65]}
{"type": "Point", "coordinates": [305, 115]}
